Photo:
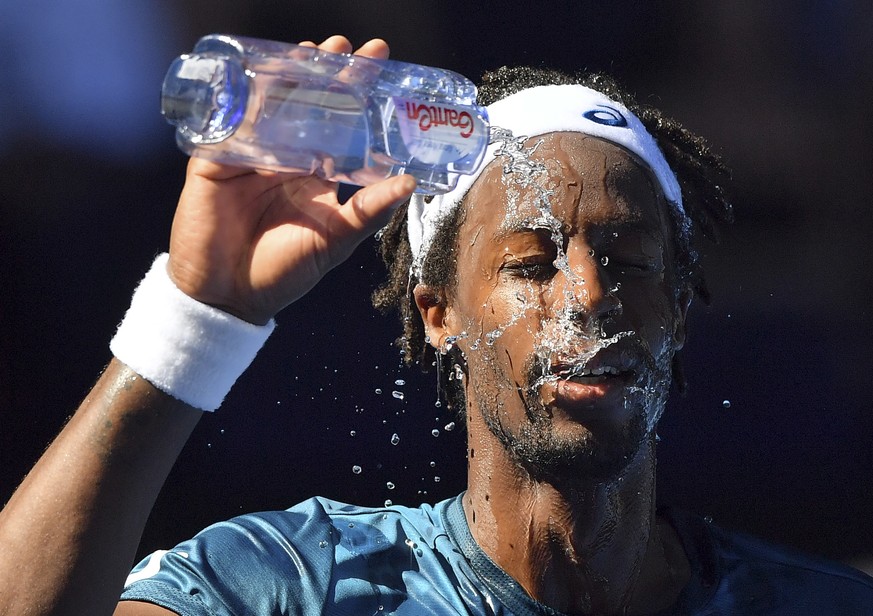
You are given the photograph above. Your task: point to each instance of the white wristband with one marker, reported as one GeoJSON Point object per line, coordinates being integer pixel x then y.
{"type": "Point", "coordinates": [185, 348]}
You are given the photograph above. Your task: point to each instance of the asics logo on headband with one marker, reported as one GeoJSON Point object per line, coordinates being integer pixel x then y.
{"type": "Point", "coordinates": [608, 116]}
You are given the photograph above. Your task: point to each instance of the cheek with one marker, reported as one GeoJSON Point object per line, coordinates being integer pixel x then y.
{"type": "Point", "coordinates": [652, 314]}
{"type": "Point", "coordinates": [504, 325]}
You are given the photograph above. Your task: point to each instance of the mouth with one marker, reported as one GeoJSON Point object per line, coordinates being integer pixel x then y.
{"type": "Point", "coordinates": [613, 363]}
{"type": "Point", "coordinates": [588, 374]}
{"type": "Point", "coordinates": [576, 381]}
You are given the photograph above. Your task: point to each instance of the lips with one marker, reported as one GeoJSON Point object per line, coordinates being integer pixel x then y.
{"type": "Point", "coordinates": [577, 381]}
{"type": "Point", "coordinates": [614, 361]}
{"type": "Point", "coordinates": [591, 387]}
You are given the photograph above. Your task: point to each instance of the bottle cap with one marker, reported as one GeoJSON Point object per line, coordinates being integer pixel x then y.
{"type": "Point", "coordinates": [204, 97]}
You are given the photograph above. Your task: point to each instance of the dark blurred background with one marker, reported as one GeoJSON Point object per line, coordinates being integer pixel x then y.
{"type": "Point", "coordinates": [775, 434]}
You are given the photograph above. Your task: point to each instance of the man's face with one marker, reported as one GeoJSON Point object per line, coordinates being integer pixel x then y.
{"type": "Point", "coordinates": [566, 306]}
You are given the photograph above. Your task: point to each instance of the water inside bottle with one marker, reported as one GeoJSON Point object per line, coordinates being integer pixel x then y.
{"type": "Point", "coordinates": [286, 108]}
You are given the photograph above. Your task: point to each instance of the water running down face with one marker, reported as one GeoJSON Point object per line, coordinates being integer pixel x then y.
{"type": "Point", "coordinates": [566, 306]}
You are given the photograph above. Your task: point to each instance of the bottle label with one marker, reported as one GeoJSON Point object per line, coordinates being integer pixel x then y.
{"type": "Point", "coordinates": [437, 134]}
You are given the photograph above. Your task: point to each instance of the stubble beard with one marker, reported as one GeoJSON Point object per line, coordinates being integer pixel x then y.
{"type": "Point", "coordinates": [592, 455]}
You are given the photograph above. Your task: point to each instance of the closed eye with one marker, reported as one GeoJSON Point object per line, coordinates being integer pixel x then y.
{"type": "Point", "coordinates": [635, 265]}
{"type": "Point", "coordinates": [530, 269]}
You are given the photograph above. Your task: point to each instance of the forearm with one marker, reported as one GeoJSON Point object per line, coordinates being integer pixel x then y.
{"type": "Point", "coordinates": [69, 534]}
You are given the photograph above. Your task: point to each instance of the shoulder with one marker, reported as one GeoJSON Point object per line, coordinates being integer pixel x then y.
{"type": "Point", "coordinates": [252, 560]}
{"type": "Point", "coordinates": [315, 521]}
{"type": "Point", "coordinates": [745, 574]}
{"type": "Point", "coordinates": [358, 530]}
{"type": "Point", "coordinates": [318, 553]}
{"type": "Point", "coordinates": [737, 548]}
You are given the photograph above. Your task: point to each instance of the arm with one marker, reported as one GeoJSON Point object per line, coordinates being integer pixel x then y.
{"type": "Point", "coordinates": [245, 241]}
{"type": "Point", "coordinates": [71, 530]}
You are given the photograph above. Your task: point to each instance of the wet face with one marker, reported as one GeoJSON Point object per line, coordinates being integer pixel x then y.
{"type": "Point", "coordinates": [566, 307]}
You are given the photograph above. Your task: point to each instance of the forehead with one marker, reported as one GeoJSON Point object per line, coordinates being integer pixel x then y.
{"type": "Point", "coordinates": [582, 181]}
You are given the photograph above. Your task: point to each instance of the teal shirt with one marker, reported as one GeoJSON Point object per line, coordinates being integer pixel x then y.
{"type": "Point", "coordinates": [327, 558]}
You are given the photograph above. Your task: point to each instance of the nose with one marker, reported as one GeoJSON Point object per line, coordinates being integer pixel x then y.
{"type": "Point", "coordinates": [589, 294]}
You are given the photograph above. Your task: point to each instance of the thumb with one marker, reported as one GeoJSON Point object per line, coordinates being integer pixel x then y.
{"type": "Point", "coordinates": [370, 208]}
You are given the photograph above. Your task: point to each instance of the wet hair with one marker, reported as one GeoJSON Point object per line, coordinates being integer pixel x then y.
{"type": "Point", "coordinates": [700, 172]}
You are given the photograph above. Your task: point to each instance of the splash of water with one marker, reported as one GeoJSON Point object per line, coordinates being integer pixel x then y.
{"type": "Point", "coordinates": [521, 172]}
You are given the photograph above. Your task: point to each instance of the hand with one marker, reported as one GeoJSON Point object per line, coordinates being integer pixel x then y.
{"type": "Point", "coordinates": [251, 242]}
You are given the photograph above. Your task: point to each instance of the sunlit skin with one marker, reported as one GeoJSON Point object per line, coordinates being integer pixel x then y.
{"type": "Point", "coordinates": [561, 462]}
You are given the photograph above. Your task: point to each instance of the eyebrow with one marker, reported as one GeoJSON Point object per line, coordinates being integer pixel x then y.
{"type": "Point", "coordinates": [522, 227]}
{"type": "Point", "coordinates": [525, 226]}
{"type": "Point", "coordinates": [632, 227]}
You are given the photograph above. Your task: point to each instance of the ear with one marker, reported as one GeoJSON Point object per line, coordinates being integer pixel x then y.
{"type": "Point", "coordinates": [432, 305]}
{"type": "Point", "coordinates": [680, 331]}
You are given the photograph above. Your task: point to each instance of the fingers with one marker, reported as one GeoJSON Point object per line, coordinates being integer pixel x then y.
{"type": "Point", "coordinates": [374, 48]}
{"type": "Point", "coordinates": [370, 208]}
{"type": "Point", "coordinates": [336, 44]}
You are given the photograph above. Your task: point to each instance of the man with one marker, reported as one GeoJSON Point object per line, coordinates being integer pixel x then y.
{"type": "Point", "coordinates": [553, 287]}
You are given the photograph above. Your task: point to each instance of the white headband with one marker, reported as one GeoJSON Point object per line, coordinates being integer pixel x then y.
{"type": "Point", "coordinates": [537, 111]}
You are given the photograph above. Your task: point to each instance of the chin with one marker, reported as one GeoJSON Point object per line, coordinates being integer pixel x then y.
{"type": "Point", "coordinates": [576, 453]}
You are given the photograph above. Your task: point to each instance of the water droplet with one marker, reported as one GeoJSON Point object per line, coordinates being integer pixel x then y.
{"type": "Point", "coordinates": [491, 336]}
{"type": "Point", "coordinates": [388, 503]}
{"type": "Point", "coordinates": [353, 433]}
{"type": "Point", "coordinates": [395, 438]}
{"type": "Point", "coordinates": [438, 404]}
{"type": "Point", "coordinates": [708, 519]}
{"type": "Point", "coordinates": [436, 479]}
{"type": "Point", "coordinates": [351, 524]}
{"type": "Point", "coordinates": [726, 404]}
{"type": "Point", "coordinates": [432, 464]}
{"type": "Point", "coordinates": [378, 391]}
{"type": "Point", "coordinates": [322, 544]}
{"type": "Point", "coordinates": [419, 553]}
{"type": "Point", "coordinates": [356, 469]}
{"type": "Point", "coordinates": [450, 426]}
{"type": "Point", "coordinates": [390, 485]}
{"type": "Point", "coordinates": [604, 260]}
{"type": "Point", "coordinates": [398, 394]}
{"type": "Point", "coordinates": [400, 382]}
{"type": "Point", "coordinates": [435, 432]}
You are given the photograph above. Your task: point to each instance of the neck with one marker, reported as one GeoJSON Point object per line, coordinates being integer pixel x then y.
{"type": "Point", "coordinates": [580, 546]}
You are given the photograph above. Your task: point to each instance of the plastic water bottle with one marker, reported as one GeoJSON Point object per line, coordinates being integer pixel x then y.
{"type": "Point", "coordinates": [271, 105]}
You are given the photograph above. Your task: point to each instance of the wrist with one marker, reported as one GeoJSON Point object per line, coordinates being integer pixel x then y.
{"type": "Point", "coordinates": [186, 348]}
